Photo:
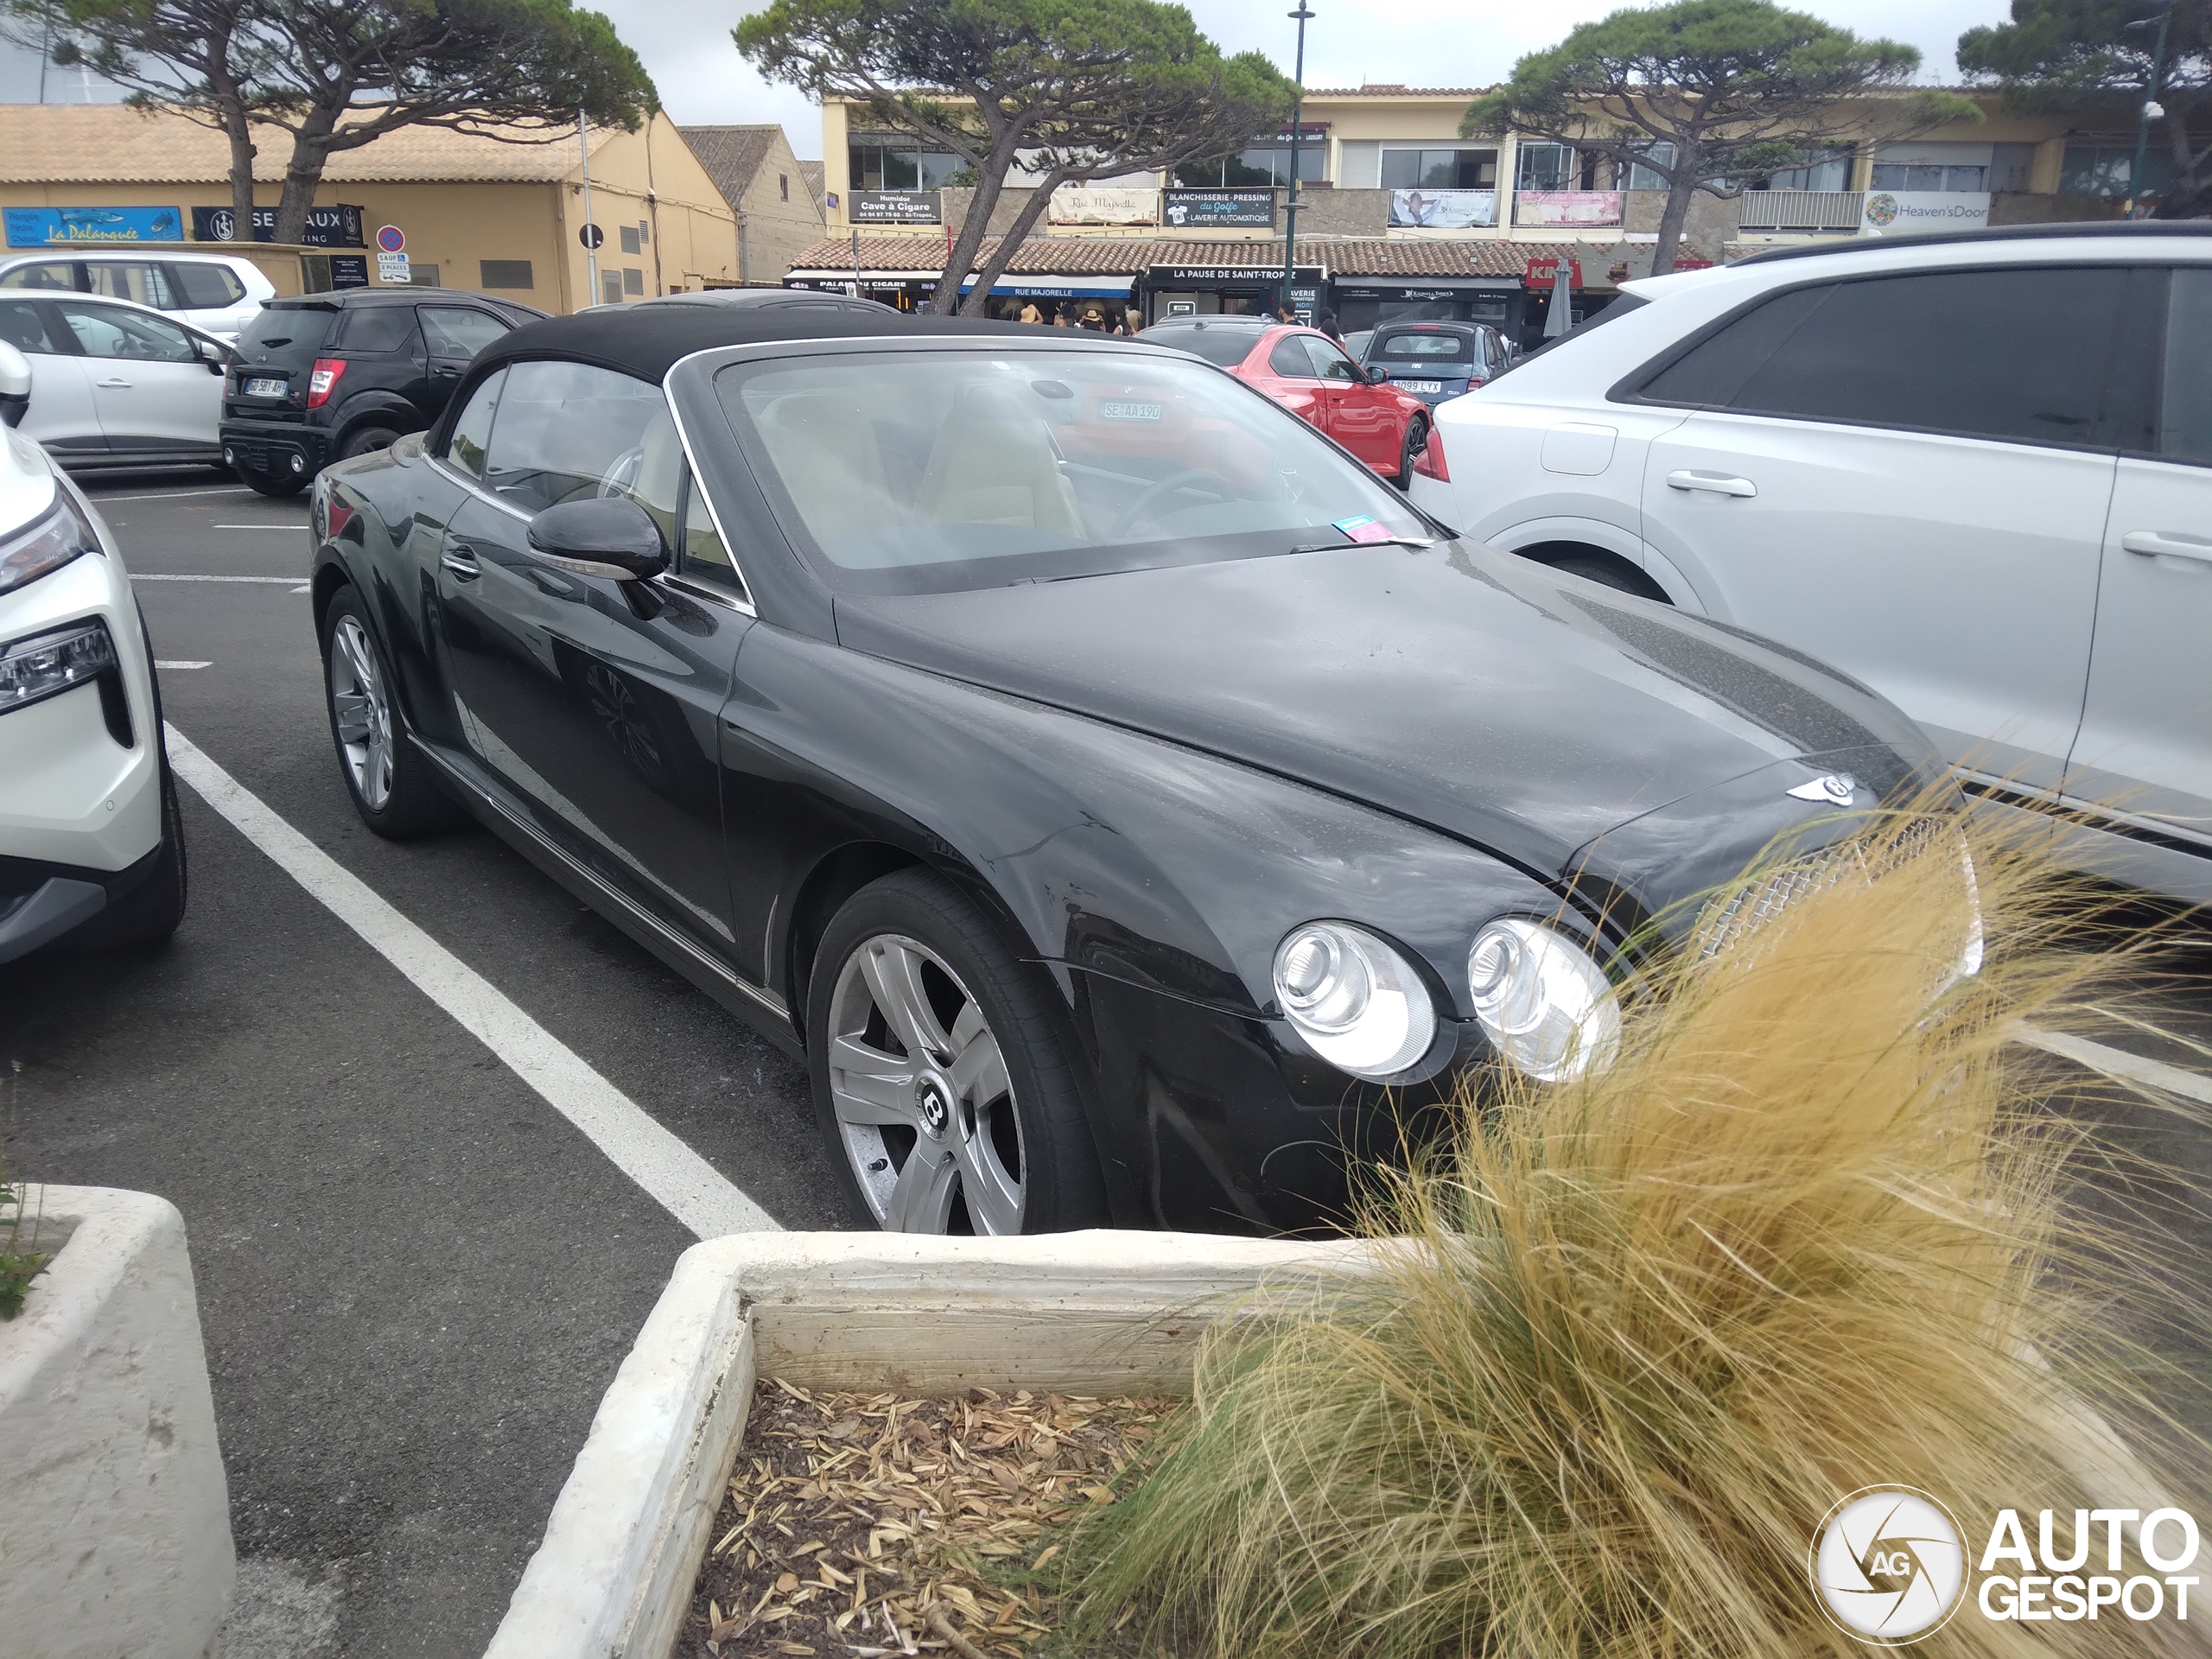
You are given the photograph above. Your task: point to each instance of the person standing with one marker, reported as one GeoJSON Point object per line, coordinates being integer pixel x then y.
{"type": "Point", "coordinates": [1326, 323]}
{"type": "Point", "coordinates": [1031, 314]}
{"type": "Point", "coordinates": [1286, 312]}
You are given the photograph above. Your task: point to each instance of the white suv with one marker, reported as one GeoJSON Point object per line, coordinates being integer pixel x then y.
{"type": "Point", "coordinates": [1974, 471]}
{"type": "Point", "coordinates": [217, 293]}
{"type": "Point", "coordinates": [91, 843]}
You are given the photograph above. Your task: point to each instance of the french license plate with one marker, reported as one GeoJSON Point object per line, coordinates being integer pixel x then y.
{"type": "Point", "coordinates": [263, 385]}
{"type": "Point", "coordinates": [1131, 411]}
{"type": "Point", "coordinates": [1421, 385]}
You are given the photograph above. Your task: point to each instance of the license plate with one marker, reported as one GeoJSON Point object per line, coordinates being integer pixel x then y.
{"type": "Point", "coordinates": [1421, 385]}
{"type": "Point", "coordinates": [262, 385]}
{"type": "Point", "coordinates": [1131, 411]}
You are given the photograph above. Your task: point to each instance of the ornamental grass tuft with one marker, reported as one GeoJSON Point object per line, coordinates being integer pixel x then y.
{"type": "Point", "coordinates": [1627, 1339]}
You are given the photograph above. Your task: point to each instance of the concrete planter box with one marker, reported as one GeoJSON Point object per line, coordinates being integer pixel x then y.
{"type": "Point", "coordinates": [115, 1523]}
{"type": "Point", "coordinates": [1095, 1313]}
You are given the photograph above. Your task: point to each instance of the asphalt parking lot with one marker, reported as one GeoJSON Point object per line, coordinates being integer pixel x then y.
{"type": "Point", "coordinates": [416, 1272]}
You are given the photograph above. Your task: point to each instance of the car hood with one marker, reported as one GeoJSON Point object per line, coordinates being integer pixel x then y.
{"type": "Point", "coordinates": [1480, 695]}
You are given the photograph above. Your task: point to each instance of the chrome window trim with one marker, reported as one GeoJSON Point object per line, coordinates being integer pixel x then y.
{"type": "Point", "coordinates": [691, 588]}
{"type": "Point", "coordinates": [743, 601]}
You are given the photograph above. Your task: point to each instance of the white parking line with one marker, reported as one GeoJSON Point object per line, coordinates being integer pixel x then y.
{"type": "Point", "coordinates": [686, 1185]}
{"type": "Point", "coordinates": [143, 576]}
{"type": "Point", "coordinates": [2119, 1063]}
{"type": "Point", "coordinates": [288, 529]}
{"type": "Point", "coordinates": [162, 664]}
{"type": "Point", "coordinates": [179, 495]}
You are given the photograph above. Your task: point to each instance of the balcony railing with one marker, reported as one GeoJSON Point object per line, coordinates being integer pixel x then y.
{"type": "Point", "coordinates": [1799, 210]}
{"type": "Point", "coordinates": [1566, 209]}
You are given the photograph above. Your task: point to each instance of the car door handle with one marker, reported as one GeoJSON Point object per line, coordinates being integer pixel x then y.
{"type": "Point", "coordinates": [114, 384]}
{"type": "Point", "coordinates": [461, 562]}
{"type": "Point", "coordinates": [1718, 483]}
{"type": "Point", "coordinates": [2152, 543]}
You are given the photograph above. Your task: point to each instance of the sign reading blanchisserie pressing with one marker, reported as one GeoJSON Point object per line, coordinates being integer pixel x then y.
{"type": "Point", "coordinates": [1218, 209]}
{"type": "Point", "coordinates": [895, 208]}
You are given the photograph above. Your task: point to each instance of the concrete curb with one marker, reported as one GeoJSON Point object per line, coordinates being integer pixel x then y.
{"type": "Point", "coordinates": [1090, 1312]}
{"type": "Point", "coordinates": [115, 1526]}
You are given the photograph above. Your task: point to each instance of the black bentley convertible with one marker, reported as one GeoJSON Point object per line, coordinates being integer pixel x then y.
{"type": "Point", "coordinates": [1122, 799]}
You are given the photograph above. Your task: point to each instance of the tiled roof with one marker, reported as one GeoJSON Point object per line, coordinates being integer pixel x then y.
{"type": "Point", "coordinates": [731, 155]}
{"type": "Point", "coordinates": [88, 144]}
{"type": "Point", "coordinates": [1382, 89]}
{"type": "Point", "coordinates": [1116, 255]}
{"type": "Point", "coordinates": [812, 172]}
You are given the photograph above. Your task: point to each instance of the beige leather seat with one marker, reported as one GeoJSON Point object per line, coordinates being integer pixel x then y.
{"type": "Point", "coordinates": [660, 469]}
{"type": "Point", "coordinates": [824, 449]}
{"type": "Point", "coordinates": [993, 464]}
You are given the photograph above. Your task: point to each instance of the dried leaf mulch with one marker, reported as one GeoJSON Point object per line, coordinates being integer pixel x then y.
{"type": "Point", "coordinates": [879, 1525]}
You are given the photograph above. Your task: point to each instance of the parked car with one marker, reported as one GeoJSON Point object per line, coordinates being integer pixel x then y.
{"type": "Point", "coordinates": [216, 294]}
{"type": "Point", "coordinates": [1437, 360]}
{"type": "Point", "coordinates": [1312, 377]}
{"type": "Point", "coordinates": [92, 846]}
{"type": "Point", "coordinates": [1974, 471]}
{"type": "Point", "coordinates": [115, 384]}
{"type": "Point", "coordinates": [328, 376]}
{"type": "Point", "coordinates": [1100, 779]}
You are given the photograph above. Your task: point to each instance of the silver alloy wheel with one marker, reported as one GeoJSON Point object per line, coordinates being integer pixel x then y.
{"type": "Point", "coordinates": [363, 712]}
{"type": "Point", "coordinates": [924, 1107]}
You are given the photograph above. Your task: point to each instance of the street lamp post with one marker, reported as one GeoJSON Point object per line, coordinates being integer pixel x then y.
{"type": "Point", "coordinates": [1297, 116]}
{"type": "Point", "coordinates": [2151, 109]}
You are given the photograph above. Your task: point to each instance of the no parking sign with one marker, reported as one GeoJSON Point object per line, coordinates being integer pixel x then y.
{"type": "Point", "coordinates": [390, 239]}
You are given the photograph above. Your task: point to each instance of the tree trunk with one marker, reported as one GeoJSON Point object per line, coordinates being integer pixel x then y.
{"type": "Point", "coordinates": [240, 130]}
{"type": "Point", "coordinates": [1680, 189]}
{"type": "Point", "coordinates": [2185, 197]}
{"type": "Point", "coordinates": [990, 180]}
{"type": "Point", "coordinates": [1010, 244]}
{"type": "Point", "coordinates": [303, 172]}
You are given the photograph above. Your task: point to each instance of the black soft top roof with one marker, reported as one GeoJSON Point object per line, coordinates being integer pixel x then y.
{"type": "Point", "coordinates": [645, 341]}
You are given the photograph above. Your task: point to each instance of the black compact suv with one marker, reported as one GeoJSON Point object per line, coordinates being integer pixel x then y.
{"type": "Point", "coordinates": [326, 376]}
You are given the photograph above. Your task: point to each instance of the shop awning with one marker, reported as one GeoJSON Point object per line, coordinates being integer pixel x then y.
{"type": "Point", "coordinates": [1029, 286]}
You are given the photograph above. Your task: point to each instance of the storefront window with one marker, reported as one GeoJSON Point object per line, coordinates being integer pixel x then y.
{"type": "Point", "coordinates": [1930, 176]}
{"type": "Point", "coordinates": [1266, 163]}
{"type": "Point", "coordinates": [891, 165]}
{"type": "Point", "coordinates": [1439, 170]}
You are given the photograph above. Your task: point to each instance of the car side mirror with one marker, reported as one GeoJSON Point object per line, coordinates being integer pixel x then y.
{"type": "Point", "coordinates": [214, 354]}
{"type": "Point", "coordinates": [601, 535]}
{"type": "Point", "coordinates": [15, 384]}
{"type": "Point", "coordinates": [1378, 376]}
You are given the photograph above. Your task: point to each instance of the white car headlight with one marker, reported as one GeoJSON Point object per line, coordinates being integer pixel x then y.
{"type": "Point", "coordinates": [63, 534]}
{"type": "Point", "coordinates": [1354, 999]}
{"type": "Point", "coordinates": [1542, 1000]}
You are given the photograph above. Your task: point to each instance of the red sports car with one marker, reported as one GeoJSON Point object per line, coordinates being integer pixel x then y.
{"type": "Point", "coordinates": [1311, 375]}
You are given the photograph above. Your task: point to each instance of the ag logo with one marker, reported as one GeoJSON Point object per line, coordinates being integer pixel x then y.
{"type": "Point", "coordinates": [1881, 208]}
{"type": "Point", "coordinates": [1887, 1565]}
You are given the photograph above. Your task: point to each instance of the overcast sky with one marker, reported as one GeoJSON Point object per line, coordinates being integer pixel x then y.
{"type": "Point", "coordinates": [686, 49]}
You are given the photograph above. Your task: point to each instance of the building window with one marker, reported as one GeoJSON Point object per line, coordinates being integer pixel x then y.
{"type": "Point", "coordinates": [644, 233]}
{"type": "Point", "coordinates": [783, 186]}
{"type": "Point", "coordinates": [2102, 170]}
{"type": "Point", "coordinates": [633, 280]}
{"type": "Point", "coordinates": [629, 235]}
{"type": "Point", "coordinates": [423, 276]}
{"type": "Point", "coordinates": [1910, 176]}
{"type": "Point", "coordinates": [1641, 177]}
{"type": "Point", "coordinates": [610, 288]}
{"type": "Point", "coordinates": [1265, 163]}
{"type": "Point", "coordinates": [507, 273]}
{"type": "Point", "coordinates": [1827, 170]}
{"type": "Point", "coordinates": [1439, 170]}
{"type": "Point", "coordinates": [1553, 167]}
{"type": "Point", "coordinates": [896, 164]}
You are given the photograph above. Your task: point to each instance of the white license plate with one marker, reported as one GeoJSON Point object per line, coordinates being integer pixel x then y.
{"type": "Point", "coordinates": [262, 385]}
{"type": "Point", "coordinates": [1421, 385]}
{"type": "Point", "coordinates": [1131, 411]}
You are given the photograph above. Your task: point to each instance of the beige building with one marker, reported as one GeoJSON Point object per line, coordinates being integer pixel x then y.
{"type": "Point", "coordinates": [1399, 215]}
{"type": "Point", "coordinates": [473, 211]}
{"type": "Point", "coordinates": [779, 213]}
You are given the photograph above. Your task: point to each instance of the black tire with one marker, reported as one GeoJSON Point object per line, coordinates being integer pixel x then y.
{"type": "Point", "coordinates": [1061, 1186]}
{"type": "Point", "coordinates": [367, 440]}
{"type": "Point", "coordinates": [149, 912]}
{"type": "Point", "coordinates": [278, 485]}
{"type": "Point", "coordinates": [1409, 451]}
{"type": "Point", "coordinates": [412, 802]}
{"type": "Point", "coordinates": [1607, 573]}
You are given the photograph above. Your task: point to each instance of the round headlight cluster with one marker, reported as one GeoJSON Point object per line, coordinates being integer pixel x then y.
{"type": "Point", "coordinates": [1543, 1003]}
{"type": "Point", "coordinates": [1354, 999]}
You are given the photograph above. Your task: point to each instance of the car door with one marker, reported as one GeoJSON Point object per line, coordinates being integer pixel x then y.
{"type": "Point", "coordinates": [1365, 419]}
{"type": "Point", "coordinates": [1291, 382]}
{"type": "Point", "coordinates": [2145, 748]}
{"type": "Point", "coordinates": [593, 700]}
{"type": "Point", "coordinates": [1907, 475]}
{"type": "Point", "coordinates": [452, 335]}
{"type": "Point", "coordinates": [151, 386]}
{"type": "Point", "coordinates": [60, 415]}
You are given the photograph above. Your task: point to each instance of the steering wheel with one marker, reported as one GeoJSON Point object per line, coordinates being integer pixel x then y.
{"type": "Point", "coordinates": [1174, 483]}
{"type": "Point", "coordinates": [621, 477]}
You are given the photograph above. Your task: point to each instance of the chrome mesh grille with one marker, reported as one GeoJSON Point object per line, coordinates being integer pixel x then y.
{"type": "Point", "coordinates": [1750, 908]}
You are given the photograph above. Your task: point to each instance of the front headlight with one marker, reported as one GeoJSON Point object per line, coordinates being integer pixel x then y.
{"type": "Point", "coordinates": [47, 664]}
{"type": "Point", "coordinates": [49, 544]}
{"type": "Point", "coordinates": [1543, 1003]}
{"type": "Point", "coordinates": [1354, 999]}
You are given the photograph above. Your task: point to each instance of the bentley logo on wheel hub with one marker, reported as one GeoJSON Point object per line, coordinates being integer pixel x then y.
{"type": "Point", "coordinates": [936, 1109]}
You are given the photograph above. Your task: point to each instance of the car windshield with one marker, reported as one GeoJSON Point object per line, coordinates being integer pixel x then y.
{"type": "Point", "coordinates": [1429, 347]}
{"type": "Point", "coordinates": [930, 472]}
{"type": "Point", "coordinates": [1227, 346]}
